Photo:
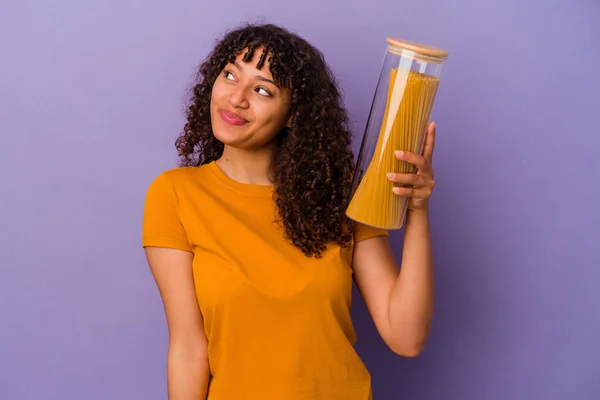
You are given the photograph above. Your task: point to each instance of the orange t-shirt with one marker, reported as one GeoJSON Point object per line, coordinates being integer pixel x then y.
{"type": "Point", "coordinates": [278, 323]}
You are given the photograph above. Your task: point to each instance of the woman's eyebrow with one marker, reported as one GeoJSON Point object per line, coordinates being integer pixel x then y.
{"type": "Point", "coordinates": [260, 77]}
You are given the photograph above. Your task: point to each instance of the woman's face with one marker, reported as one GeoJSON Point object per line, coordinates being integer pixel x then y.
{"type": "Point", "coordinates": [247, 108]}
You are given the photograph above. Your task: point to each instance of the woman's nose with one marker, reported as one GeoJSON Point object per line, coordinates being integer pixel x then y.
{"type": "Point", "coordinates": [237, 97]}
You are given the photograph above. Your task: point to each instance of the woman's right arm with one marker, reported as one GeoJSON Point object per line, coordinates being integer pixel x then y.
{"type": "Point", "coordinates": [187, 362]}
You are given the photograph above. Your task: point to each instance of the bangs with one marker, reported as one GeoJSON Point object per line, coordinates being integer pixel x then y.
{"type": "Point", "coordinates": [269, 55]}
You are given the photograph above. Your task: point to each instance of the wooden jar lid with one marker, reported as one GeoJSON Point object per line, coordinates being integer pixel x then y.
{"type": "Point", "coordinates": [419, 48]}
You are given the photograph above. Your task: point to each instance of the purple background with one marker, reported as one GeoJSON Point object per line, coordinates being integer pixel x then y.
{"type": "Point", "coordinates": [91, 101]}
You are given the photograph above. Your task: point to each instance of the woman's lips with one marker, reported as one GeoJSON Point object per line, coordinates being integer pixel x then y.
{"type": "Point", "coordinates": [231, 118]}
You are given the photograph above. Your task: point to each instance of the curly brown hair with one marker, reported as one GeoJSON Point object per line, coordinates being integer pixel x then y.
{"type": "Point", "coordinates": [313, 166]}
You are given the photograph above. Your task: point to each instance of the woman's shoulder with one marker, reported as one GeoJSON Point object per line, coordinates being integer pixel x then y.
{"type": "Point", "coordinates": [183, 174]}
{"type": "Point", "coordinates": [178, 179]}
{"type": "Point", "coordinates": [362, 232]}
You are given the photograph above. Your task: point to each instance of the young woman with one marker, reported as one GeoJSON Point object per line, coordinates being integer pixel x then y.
{"type": "Point", "coordinates": [248, 240]}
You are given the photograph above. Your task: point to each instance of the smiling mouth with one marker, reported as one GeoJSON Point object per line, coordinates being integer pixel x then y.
{"type": "Point", "coordinates": [231, 118]}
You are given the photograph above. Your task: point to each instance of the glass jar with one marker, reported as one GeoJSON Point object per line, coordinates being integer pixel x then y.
{"type": "Point", "coordinates": [398, 120]}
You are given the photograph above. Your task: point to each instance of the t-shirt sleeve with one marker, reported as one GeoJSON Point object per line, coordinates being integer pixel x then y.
{"type": "Point", "coordinates": [363, 232]}
{"type": "Point", "coordinates": [162, 225]}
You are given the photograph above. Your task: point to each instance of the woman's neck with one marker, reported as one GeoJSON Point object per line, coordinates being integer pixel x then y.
{"type": "Point", "coordinates": [251, 167]}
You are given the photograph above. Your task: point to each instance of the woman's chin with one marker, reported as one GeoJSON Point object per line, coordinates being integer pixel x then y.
{"type": "Point", "coordinates": [229, 137]}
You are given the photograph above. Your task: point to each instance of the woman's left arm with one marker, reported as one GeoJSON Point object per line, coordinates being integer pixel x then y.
{"type": "Point", "coordinates": [401, 301]}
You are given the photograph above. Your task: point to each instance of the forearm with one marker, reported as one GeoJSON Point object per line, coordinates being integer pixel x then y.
{"type": "Point", "coordinates": [412, 297]}
{"type": "Point", "coordinates": [187, 375]}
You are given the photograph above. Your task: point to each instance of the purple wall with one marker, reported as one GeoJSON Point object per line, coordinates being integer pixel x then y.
{"type": "Point", "coordinates": [91, 101]}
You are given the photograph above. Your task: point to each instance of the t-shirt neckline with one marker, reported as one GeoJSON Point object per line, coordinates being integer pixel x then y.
{"type": "Point", "coordinates": [247, 188]}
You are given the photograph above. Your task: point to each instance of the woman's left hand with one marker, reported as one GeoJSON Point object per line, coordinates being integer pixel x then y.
{"type": "Point", "coordinates": [420, 184]}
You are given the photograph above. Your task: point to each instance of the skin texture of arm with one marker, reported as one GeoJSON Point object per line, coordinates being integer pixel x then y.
{"type": "Point", "coordinates": [188, 369]}
{"type": "Point", "coordinates": [399, 301]}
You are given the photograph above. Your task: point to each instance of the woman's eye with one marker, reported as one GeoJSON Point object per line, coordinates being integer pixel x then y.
{"type": "Point", "coordinates": [263, 92]}
{"type": "Point", "coordinates": [229, 75]}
